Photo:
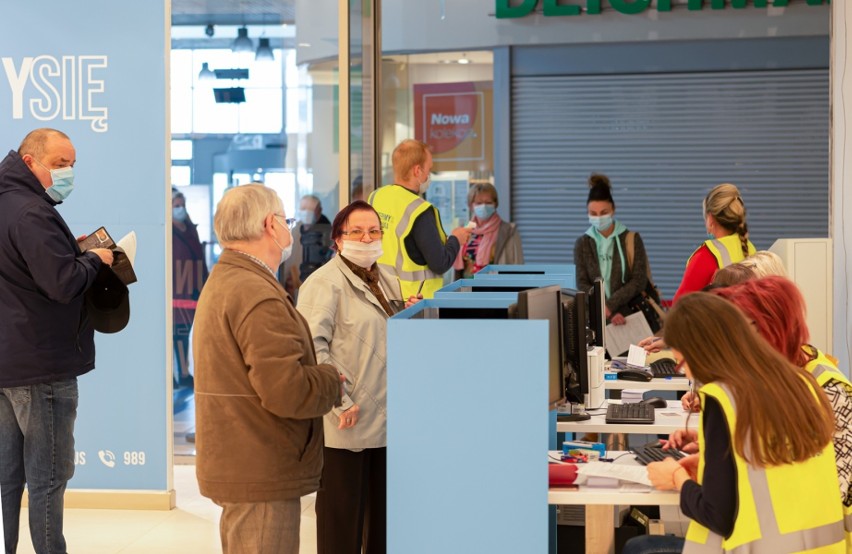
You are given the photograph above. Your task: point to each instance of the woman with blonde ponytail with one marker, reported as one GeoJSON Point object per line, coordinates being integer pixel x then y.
{"type": "Point", "coordinates": [727, 243]}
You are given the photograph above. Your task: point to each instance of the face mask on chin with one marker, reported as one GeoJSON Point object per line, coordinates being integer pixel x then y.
{"type": "Point", "coordinates": [362, 254]}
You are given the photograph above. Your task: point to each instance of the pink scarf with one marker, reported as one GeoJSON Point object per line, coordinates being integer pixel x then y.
{"type": "Point", "coordinates": [488, 231]}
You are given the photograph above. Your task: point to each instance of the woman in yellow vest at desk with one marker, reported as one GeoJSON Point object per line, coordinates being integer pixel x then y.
{"type": "Point", "coordinates": [725, 220]}
{"type": "Point", "coordinates": [777, 309]}
{"type": "Point", "coordinates": [766, 479]}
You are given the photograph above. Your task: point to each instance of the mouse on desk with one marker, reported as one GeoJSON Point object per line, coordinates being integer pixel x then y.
{"type": "Point", "coordinates": [634, 375]}
{"type": "Point", "coordinates": [656, 402]}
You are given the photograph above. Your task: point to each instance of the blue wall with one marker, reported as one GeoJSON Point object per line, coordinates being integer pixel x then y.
{"type": "Point", "coordinates": [98, 73]}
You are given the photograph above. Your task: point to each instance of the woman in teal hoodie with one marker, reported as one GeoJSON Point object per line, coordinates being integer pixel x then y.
{"type": "Point", "coordinates": [602, 252]}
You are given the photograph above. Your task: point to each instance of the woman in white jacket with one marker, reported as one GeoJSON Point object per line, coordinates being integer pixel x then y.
{"type": "Point", "coordinates": [347, 303]}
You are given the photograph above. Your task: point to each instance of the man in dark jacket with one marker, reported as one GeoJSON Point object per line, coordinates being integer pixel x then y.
{"type": "Point", "coordinates": [46, 339]}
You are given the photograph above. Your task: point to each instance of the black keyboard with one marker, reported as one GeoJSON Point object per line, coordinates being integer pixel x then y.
{"type": "Point", "coordinates": [664, 367]}
{"type": "Point", "coordinates": [653, 452]}
{"type": "Point", "coordinates": [630, 413]}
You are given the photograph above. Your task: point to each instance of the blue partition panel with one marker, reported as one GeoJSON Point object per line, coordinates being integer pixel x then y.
{"type": "Point", "coordinates": [467, 435]}
{"type": "Point", "coordinates": [526, 269]}
{"type": "Point", "coordinates": [96, 70]}
{"type": "Point", "coordinates": [502, 281]}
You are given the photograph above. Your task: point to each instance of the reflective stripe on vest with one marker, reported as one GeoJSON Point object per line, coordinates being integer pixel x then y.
{"type": "Point", "coordinates": [768, 538]}
{"type": "Point", "coordinates": [727, 250]}
{"type": "Point", "coordinates": [399, 208]}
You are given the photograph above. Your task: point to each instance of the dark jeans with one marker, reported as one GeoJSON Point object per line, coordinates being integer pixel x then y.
{"type": "Point", "coordinates": [37, 449]}
{"type": "Point", "coordinates": [654, 544]}
{"type": "Point", "coordinates": [352, 502]}
{"type": "Point", "coordinates": [181, 333]}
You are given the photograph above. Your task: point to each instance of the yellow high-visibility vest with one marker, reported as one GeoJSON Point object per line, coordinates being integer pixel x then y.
{"type": "Point", "coordinates": [790, 508]}
{"type": "Point", "coordinates": [398, 208]}
{"type": "Point", "coordinates": [727, 250]}
{"type": "Point", "coordinates": [824, 370]}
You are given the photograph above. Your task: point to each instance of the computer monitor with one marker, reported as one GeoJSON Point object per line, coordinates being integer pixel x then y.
{"type": "Point", "coordinates": [546, 303]}
{"type": "Point", "coordinates": [458, 312]}
{"type": "Point", "coordinates": [575, 344]}
{"type": "Point", "coordinates": [496, 288]}
{"type": "Point", "coordinates": [597, 313]}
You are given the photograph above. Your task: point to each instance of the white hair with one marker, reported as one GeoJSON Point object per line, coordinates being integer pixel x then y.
{"type": "Point", "coordinates": [765, 263]}
{"type": "Point", "coordinates": [240, 213]}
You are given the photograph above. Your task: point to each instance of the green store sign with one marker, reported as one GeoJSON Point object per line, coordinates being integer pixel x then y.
{"type": "Point", "coordinates": [554, 8]}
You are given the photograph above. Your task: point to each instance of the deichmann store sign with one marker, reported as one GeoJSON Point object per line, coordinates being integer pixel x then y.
{"type": "Point", "coordinates": [553, 8]}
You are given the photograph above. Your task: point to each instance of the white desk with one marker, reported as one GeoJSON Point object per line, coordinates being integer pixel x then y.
{"type": "Point", "coordinates": [600, 525]}
{"type": "Point", "coordinates": [673, 383]}
{"type": "Point", "coordinates": [667, 420]}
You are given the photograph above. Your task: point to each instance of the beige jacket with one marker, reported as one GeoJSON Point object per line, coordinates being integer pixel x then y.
{"type": "Point", "coordinates": [349, 328]}
{"type": "Point", "coordinates": [260, 394]}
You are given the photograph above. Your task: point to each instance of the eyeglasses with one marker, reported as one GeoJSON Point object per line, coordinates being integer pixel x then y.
{"type": "Point", "coordinates": [289, 221]}
{"type": "Point", "coordinates": [358, 234]}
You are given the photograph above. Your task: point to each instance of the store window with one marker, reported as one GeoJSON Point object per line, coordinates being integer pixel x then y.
{"type": "Point", "coordinates": [445, 100]}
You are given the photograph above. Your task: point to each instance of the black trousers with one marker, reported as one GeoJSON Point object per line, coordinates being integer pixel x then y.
{"type": "Point", "coordinates": [352, 502]}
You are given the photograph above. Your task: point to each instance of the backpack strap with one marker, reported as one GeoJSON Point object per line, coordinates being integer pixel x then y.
{"type": "Point", "coordinates": [629, 242]}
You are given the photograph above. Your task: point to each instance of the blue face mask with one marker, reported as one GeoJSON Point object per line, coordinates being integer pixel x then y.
{"type": "Point", "coordinates": [179, 213]}
{"type": "Point", "coordinates": [484, 211]}
{"type": "Point", "coordinates": [63, 182]}
{"type": "Point", "coordinates": [601, 223]}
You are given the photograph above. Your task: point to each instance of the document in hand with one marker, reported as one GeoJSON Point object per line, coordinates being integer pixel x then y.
{"type": "Point", "coordinates": [108, 300]}
{"type": "Point", "coordinates": [620, 337]}
{"type": "Point", "coordinates": [123, 253]}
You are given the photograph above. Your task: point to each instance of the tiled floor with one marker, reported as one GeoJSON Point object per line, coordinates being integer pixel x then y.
{"type": "Point", "coordinates": [191, 528]}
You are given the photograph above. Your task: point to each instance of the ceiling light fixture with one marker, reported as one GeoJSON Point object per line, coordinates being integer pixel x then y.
{"type": "Point", "coordinates": [242, 43]}
{"type": "Point", "coordinates": [206, 73]}
{"type": "Point", "coordinates": [463, 60]}
{"type": "Point", "coordinates": [264, 51]}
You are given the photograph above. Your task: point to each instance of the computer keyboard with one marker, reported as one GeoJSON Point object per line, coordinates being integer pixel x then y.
{"type": "Point", "coordinates": [653, 452]}
{"type": "Point", "coordinates": [630, 413]}
{"type": "Point", "coordinates": [664, 367]}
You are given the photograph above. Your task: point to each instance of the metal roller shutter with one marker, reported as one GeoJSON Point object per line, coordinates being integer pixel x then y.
{"type": "Point", "coordinates": [665, 140]}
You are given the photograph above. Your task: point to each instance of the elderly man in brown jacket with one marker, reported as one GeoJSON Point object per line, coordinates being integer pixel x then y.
{"type": "Point", "coordinates": [260, 394]}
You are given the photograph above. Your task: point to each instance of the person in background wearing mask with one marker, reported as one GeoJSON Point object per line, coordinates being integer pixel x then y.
{"type": "Point", "coordinates": [492, 241]}
{"type": "Point", "coordinates": [310, 211]}
{"type": "Point", "coordinates": [347, 303]}
{"type": "Point", "coordinates": [311, 237]}
{"type": "Point", "coordinates": [46, 337]}
{"type": "Point", "coordinates": [189, 273]}
{"type": "Point", "coordinates": [602, 252]}
{"type": "Point", "coordinates": [260, 393]}
{"type": "Point", "coordinates": [415, 245]}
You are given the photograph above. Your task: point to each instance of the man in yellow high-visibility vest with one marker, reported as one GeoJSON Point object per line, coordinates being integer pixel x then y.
{"type": "Point", "coordinates": [414, 245]}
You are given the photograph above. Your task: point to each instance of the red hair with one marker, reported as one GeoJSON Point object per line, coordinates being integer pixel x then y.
{"type": "Point", "coordinates": [776, 307]}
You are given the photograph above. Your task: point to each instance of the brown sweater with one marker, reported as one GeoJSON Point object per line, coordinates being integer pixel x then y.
{"type": "Point", "coordinates": [260, 395]}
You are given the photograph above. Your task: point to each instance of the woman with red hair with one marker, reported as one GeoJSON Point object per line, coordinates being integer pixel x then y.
{"type": "Point", "coordinates": [776, 309]}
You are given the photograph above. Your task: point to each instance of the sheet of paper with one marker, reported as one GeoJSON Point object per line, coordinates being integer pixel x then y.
{"type": "Point", "coordinates": [636, 356]}
{"type": "Point", "coordinates": [620, 337]}
{"type": "Point", "coordinates": [128, 244]}
{"type": "Point", "coordinates": [624, 472]}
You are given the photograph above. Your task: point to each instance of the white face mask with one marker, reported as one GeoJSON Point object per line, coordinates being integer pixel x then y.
{"type": "Point", "coordinates": [307, 216]}
{"type": "Point", "coordinates": [285, 251]}
{"type": "Point", "coordinates": [363, 254]}
{"type": "Point", "coordinates": [424, 186]}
